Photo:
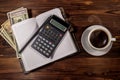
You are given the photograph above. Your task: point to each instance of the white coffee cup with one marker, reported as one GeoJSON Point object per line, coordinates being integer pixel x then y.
{"type": "Point", "coordinates": [89, 47]}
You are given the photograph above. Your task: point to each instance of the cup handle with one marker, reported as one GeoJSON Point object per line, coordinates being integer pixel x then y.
{"type": "Point", "coordinates": [113, 39]}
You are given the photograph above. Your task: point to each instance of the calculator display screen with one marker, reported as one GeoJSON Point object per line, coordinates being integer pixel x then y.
{"type": "Point", "coordinates": [58, 25]}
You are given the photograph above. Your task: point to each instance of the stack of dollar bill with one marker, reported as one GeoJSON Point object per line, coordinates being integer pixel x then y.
{"type": "Point", "coordinates": [14, 16]}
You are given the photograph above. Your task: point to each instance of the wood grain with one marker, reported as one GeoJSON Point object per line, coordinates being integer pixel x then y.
{"type": "Point", "coordinates": [80, 66]}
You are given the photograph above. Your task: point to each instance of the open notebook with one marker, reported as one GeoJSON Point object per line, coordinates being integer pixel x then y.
{"type": "Point", "coordinates": [24, 30]}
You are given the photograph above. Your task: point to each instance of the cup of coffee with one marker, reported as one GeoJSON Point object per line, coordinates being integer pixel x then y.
{"type": "Point", "coordinates": [97, 40]}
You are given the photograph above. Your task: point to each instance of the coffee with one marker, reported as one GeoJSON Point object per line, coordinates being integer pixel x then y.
{"type": "Point", "coordinates": [99, 39]}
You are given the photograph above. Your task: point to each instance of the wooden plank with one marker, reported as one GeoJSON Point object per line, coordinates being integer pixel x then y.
{"type": "Point", "coordinates": [80, 66]}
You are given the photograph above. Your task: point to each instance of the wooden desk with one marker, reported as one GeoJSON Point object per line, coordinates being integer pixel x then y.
{"type": "Point", "coordinates": [81, 66]}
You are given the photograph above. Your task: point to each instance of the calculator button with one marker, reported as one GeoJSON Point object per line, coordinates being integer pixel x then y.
{"type": "Point", "coordinates": [49, 51]}
{"type": "Point", "coordinates": [47, 54]}
{"type": "Point", "coordinates": [39, 44]}
{"type": "Point", "coordinates": [51, 48]}
{"type": "Point", "coordinates": [47, 27]}
{"type": "Point", "coordinates": [34, 45]}
{"type": "Point", "coordinates": [60, 35]}
{"type": "Point", "coordinates": [44, 44]}
{"type": "Point", "coordinates": [36, 42]}
{"type": "Point", "coordinates": [48, 46]}
{"type": "Point", "coordinates": [53, 45]}
{"type": "Point", "coordinates": [38, 48]}
{"type": "Point", "coordinates": [46, 41]}
{"type": "Point", "coordinates": [50, 43]}
{"type": "Point", "coordinates": [41, 50]}
{"type": "Point", "coordinates": [38, 39]}
{"type": "Point", "coordinates": [43, 47]}
{"type": "Point", "coordinates": [41, 41]}
{"type": "Point", "coordinates": [46, 49]}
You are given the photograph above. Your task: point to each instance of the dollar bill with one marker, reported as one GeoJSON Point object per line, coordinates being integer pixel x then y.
{"type": "Point", "coordinates": [8, 14]}
{"type": "Point", "coordinates": [6, 25]}
{"type": "Point", "coordinates": [14, 16]}
{"type": "Point", "coordinates": [6, 29]}
{"type": "Point", "coordinates": [3, 34]}
{"type": "Point", "coordinates": [17, 15]}
{"type": "Point", "coordinates": [6, 33]}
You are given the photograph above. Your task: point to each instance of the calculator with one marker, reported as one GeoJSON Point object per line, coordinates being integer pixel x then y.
{"type": "Point", "coordinates": [50, 35]}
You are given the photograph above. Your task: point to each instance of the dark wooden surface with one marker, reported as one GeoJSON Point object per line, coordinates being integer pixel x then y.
{"type": "Point", "coordinates": [80, 66]}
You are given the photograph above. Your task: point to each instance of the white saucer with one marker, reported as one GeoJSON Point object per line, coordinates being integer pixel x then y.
{"type": "Point", "coordinates": [89, 49]}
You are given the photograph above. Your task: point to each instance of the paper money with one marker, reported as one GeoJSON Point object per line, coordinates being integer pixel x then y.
{"type": "Point", "coordinates": [7, 35]}
{"type": "Point", "coordinates": [6, 28]}
{"type": "Point", "coordinates": [17, 15]}
{"type": "Point", "coordinates": [3, 34]}
{"type": "Point", "coordinates": [6, 25]}
{"type": "Point", "coordinates": [8, 14]}
{"type": "Point", "coordinates": [14, 16]}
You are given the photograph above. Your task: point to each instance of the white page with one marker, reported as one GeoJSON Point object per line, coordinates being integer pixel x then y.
{"type": "Point", "coordinates": [24, 30]}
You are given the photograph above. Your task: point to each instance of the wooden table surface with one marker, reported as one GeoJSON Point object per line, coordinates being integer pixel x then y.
{"type": "Point", "coordinates": [80, 66]}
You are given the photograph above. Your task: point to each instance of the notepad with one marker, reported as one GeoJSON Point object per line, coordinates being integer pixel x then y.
{"type": "Point", "coordinates": [30, 58]}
